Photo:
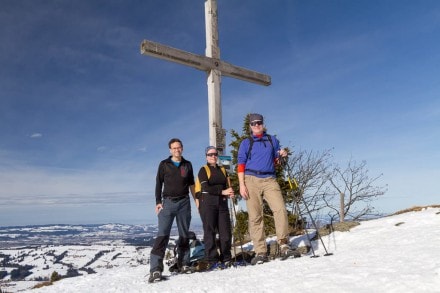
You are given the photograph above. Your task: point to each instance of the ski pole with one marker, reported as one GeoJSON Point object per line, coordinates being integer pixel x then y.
{"type": "Point", "coordinates": [302, 218]}
{"type": "Point", "coordinates": [240, 236]}
{"type": "Point", "coordinates": [232, 223]}
{"type": "Point", "coordinates": [294, 184]}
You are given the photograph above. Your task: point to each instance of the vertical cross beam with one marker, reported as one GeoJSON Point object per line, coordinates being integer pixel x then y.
{"type": "Point", "coordinates": [216, 132]}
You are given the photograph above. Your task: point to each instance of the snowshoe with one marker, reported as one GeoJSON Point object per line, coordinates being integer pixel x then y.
{"type": "Point", "coordinates": [259, 259]}
{"type": "Point", "coordinates": [287, 252]}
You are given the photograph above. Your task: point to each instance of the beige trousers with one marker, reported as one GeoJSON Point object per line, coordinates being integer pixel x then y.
{"type": "Point", "coordinates": [269, 189]}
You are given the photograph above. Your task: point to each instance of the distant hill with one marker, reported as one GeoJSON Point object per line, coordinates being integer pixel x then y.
{"type": "Point", "coordinates": [30, 254]}
{"type": "Point", "coordinates": [35, 235]}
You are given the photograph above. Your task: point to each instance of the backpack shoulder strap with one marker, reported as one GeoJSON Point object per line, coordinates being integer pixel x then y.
{"type": "Point", "coordinates": [251, 143]}
{"type": "Point", "coordinates": [270, 139]}
{"type": "Point", "coordinates": [208, 171]}
{"type": "Point", "coordinates": [223, 171]}
{"type": "Point", "coordinates": [271, 144]}
{"type": "Point", "coordinates": [198, 185]}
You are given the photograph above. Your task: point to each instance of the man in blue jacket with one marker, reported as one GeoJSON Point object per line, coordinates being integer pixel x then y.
{"type": "Point", "coordinates": [256, 174]}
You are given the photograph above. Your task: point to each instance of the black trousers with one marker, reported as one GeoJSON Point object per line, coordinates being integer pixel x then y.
{"type": "Point", "coordinates": [215, 216]}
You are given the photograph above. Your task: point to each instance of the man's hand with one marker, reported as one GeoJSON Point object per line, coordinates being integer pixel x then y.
{"type": "Point", "coordinates": [159, 207]}
{"type": "Point", "coordinates": [283, 153]}
{"type": "Point", "coordinates": [282, 158]}
{"type": "Point", "coordinates": [244, 191]}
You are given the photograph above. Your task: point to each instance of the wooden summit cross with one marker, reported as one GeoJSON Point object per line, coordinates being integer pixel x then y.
{"type": "Point", "coordinates": [215, 68]}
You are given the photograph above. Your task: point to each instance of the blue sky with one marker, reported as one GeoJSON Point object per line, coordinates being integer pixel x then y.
{"type": "Point", "coordinates": [85, 118]}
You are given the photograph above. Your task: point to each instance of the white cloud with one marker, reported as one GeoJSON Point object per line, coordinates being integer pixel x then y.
{"type": "Point", "coordinates": [30, 185]}
{"type": "Point", "coordinates": [101, 149]}
{"type": "Point", "coordinates": [36, 135]}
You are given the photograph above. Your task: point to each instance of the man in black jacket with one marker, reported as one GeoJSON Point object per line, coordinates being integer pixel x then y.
{"type": "Point", "coordinates": [174, 180]}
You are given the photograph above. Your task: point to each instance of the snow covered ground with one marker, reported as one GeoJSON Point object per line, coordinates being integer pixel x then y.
{"type": "Point", "coordinates": [393, 254]}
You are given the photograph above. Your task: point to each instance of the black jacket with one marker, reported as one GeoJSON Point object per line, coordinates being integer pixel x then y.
{"type": "Point", "coordinates": [212, 187]}
{"type": "Point", "coordinates": [172, 181]}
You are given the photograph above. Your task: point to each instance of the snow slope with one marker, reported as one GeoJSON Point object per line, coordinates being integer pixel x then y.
{"type": "Point", "coordinates": [392, 254]}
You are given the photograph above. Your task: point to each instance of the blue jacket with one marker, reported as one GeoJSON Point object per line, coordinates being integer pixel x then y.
{"type": "Point", "coordinates": [261, 161]}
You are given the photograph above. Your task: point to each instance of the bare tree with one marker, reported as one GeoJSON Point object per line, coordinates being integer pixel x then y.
{"type": "Point", "coordinates": [356, 189]}
{"type": "Point", "coordinates": [310, 170]}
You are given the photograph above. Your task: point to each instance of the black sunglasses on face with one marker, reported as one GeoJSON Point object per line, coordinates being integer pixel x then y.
{"type": "Point", "coordinates": [212, 155]}
{"type": "Point", "coordinates": [256, 123]}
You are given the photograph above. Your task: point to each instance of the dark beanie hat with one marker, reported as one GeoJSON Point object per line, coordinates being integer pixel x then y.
{"type": "Point", "coordinates": [210, 148]}
{"type": "Point", "coordinates": [255, 117]}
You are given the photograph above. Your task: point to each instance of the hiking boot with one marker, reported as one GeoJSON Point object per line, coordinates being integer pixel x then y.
{"type": "Point", "coordinates": [259, 259]}
{"type": "Point", "coordinates": [186, 270]}
{"type": "Point", "coordinates": [227, 264]}
{"type": "Point", "coordinates": [155, 277]}
{"type": "Point", "coordinates": [286, 252]}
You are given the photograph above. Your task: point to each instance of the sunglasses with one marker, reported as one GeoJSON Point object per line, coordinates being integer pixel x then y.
{"type": "Point", "coordinates": [212, 155]}
{"type": "Point", "coordinates": [256, 123]}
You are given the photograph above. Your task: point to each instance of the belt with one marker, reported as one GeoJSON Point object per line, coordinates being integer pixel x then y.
{"type": "Point", "coordinates": [260, 173]}
{"type": "Point", "coordinates": [177, 198]}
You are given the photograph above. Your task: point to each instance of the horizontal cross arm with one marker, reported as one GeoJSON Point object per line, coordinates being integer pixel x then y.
{"type": "Point", "coordinates": [175, 55]}
{"type": "Point", "coordinates": [243, 73]}
{"type": "Point", "coordinates": [202, 62]}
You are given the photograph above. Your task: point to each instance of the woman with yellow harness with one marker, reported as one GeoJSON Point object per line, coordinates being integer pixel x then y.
{"type": "Point", "coordinates": [212, 191]}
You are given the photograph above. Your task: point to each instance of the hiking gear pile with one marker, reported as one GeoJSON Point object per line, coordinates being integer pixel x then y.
{"type": "Point", "coordinates": [196, 254]}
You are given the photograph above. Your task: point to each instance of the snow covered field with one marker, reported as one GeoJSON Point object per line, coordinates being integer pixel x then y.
{"type": "Point", "coordinates": [392, 254]}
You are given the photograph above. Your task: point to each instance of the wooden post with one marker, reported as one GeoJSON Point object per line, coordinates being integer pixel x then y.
{"type": "Point", "coordinates": [216, 132]}
{"type": "Point", "coordinates": [342, 208]}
